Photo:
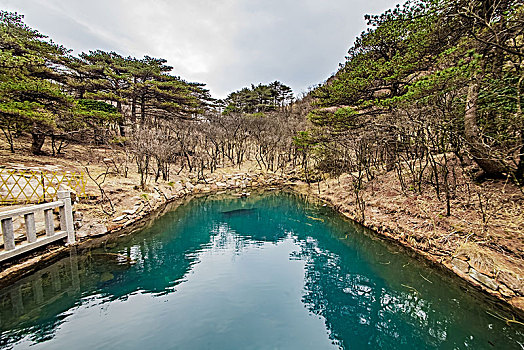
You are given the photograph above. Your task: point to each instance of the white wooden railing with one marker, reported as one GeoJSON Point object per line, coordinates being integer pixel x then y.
{"type": "Point", "coordinates": [66, 226]}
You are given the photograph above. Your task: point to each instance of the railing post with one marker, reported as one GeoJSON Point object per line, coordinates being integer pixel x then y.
{"type": "Point", "coordinates": [66, 216]}
{"type": "Point", "coordinates": [9, 234]}
{"type": "Point", "coordinates": [30, 227]}
{"type": "Point", "coordinates": [49, 222]}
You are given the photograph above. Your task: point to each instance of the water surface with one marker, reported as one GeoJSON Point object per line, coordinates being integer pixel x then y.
{"type": "Point", "coordinates": [272, 271]}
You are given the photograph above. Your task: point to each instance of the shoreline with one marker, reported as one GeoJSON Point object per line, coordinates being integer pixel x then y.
{"type": "Point", "coordinates": [31, 262]}
{"type": "Point", "coordinates": [446, 263]}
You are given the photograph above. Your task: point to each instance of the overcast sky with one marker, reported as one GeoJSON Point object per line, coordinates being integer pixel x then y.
{"type": "Point", "coordinates": [227, 44]}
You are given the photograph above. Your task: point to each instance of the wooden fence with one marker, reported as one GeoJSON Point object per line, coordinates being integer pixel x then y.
{"type": "Point", "coordinates": [30, 186]}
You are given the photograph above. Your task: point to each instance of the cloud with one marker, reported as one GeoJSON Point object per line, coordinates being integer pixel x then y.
{"type": "Point", "coordinates": [227, 44]}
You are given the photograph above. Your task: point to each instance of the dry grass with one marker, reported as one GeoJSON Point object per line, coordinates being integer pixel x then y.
{"type": "Point", "coordinates": [486, 225]}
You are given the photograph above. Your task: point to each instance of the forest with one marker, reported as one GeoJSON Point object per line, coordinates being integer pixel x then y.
{"type": "Point", "coordinates": [137, 105]}
{"type": "Point", "coordinates": [430, 88]}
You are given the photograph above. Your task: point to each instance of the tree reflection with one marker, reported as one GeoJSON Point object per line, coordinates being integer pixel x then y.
{"type": "Point", "coordinates": [369, 293]}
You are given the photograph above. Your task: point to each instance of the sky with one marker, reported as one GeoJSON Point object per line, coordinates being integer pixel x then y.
{"type": "Point", "coordinates": [226, 44]}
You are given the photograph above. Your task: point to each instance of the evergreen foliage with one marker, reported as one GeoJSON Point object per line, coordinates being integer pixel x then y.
{"type": "Point", "coordinates": [47, 92]}
{"type": "Point", "coordinates": [259, 99]}
{"type": "Point", "coordinates": [458, 61]}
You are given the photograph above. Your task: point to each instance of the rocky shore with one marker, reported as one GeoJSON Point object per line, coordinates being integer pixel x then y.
{"type": "Point", "coordinates": [505, 284]}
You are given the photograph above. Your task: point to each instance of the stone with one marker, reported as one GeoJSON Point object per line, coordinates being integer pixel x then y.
{"type": "Point", "coordinates": [483, 279]}
{"type": "Point", "coordinates": [78, 216]}
{"type": "Point", "coordinates": [97, 229]}
{"type": "Point", "coordinates": [517, 302]}
{"type": "Point", "coordinates": [460, 265]}
{"type": "Point", "coordinates": [178, 187]}
{"type": "Point", "coordinates": [190, 186]}
{"type": "Point", "coordinates": [221, 184]}
{"type": "Point", "coordinates": [119, 218]}
{"type": "Point", "coordinates": [130, 211]}
{"type": "Point", "coordinates": [505, 291]}
{"type": "Point", "coordinates": [106, 276]}
{"type": "Point", "coordinates": [513, 282]}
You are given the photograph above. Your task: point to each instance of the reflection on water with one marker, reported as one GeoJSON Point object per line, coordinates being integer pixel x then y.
{"type": "Point", "coordinates": [269, 271]}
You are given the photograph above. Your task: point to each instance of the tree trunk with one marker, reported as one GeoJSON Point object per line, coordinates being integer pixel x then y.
{"type": "Point", "coordinates": [478, 150]}
{"type": "Point", "coordinates": [37, 142]}
{"type": "Point", "coordinates": [520, 169]}
{"type": "Point", "coordinates": [121, 120]}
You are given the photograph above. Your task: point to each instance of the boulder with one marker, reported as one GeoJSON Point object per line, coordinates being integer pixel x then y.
{"type": "Point", "coordinates": [513, 282]}
{"type": "Point", "coordinates": [518, 302]}
{"type": "Point", "coordinates": [505, 291]}
{"type": "Point", "coordinates": [96, 229]}
{"type": "Point", "coordinates": [178, 187]}
{"type": "Point", "coordinates": [120, 218]}
{"type": "Point", "coordinates": [78, 216]}
{"type": "Point", "coordinates": [460, 265]}
{"type": "Point", "coordinates": [483, 279]}
{"type": "Point", "coordinates": [130, 211]}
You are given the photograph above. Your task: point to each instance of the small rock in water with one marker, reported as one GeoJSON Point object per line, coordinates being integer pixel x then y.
{"type": "Point", "coordinates": [106, 276]}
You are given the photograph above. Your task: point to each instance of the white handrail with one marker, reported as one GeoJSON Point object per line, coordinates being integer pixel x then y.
{"type": "Point", "coordinates": [66, 226]}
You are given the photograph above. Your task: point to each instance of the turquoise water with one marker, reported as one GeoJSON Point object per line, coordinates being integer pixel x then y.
{"type": "Point", "coordinates": [272, 271]}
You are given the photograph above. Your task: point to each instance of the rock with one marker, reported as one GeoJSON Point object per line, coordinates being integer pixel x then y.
{"type": "Point", "coordinates": [92, 230]}
{"type": "Point", "coordinates": [513, 282]}
{"type": "Point", "coordinates": [78, 216]}
{"type": "Point", "coordinates": [106, 276]}
{"type": "Point", "coordinates": [119, 218]}
{"type": "Point", "coordinates": [460, 265]}
{"type": "Point", "coordinates": [518, 302]}
{"type": "Point", "coordinates": [483, 279]}
{"type": "Point", "coordinates": [221, 184]}
{"type": "Point", "coordinates": [178, 187]}
{"type": "Point", "coordinates": [190, 186]}
{"type": "Point", "coordinates": [130, 211]}
{"type": "Point", "coordinates": [505, 291]}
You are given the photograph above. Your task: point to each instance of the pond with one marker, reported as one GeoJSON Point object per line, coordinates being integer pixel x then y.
{"type": "Point", "coordinates": [271, 271]}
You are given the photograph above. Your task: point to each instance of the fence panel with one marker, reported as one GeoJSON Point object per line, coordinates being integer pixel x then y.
{"type": "Point", "coordinates": [32, 186]}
